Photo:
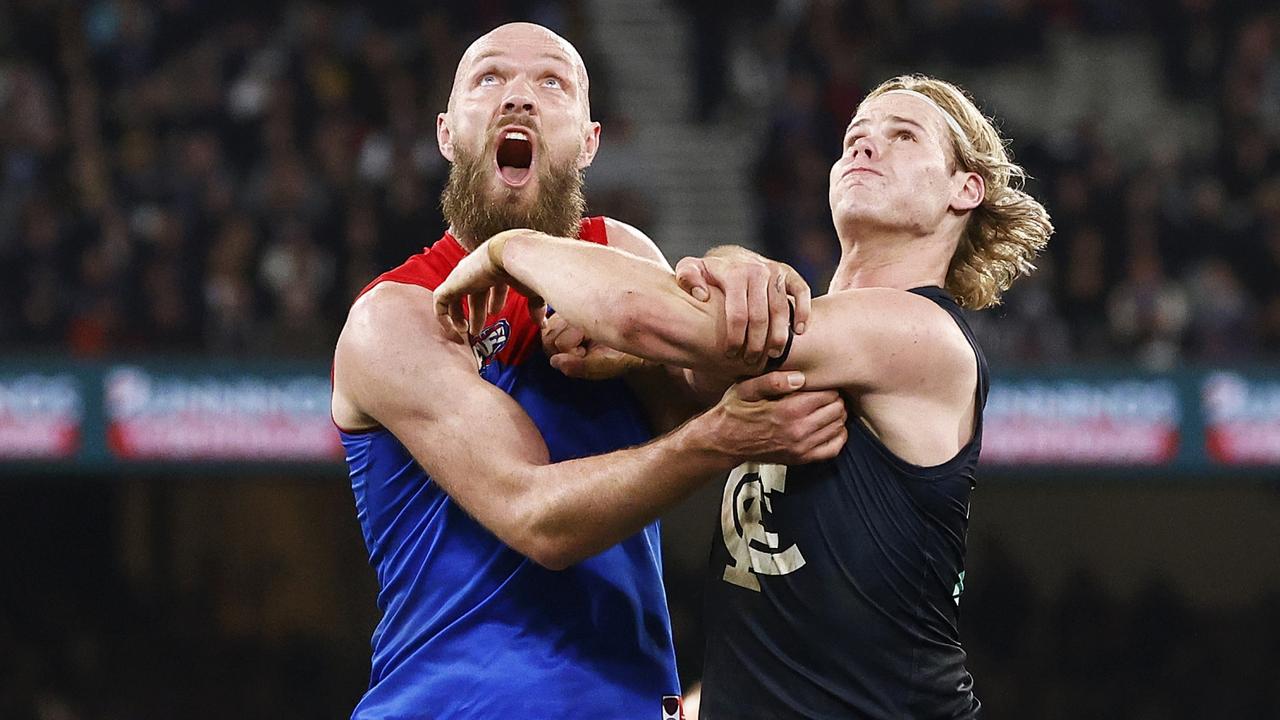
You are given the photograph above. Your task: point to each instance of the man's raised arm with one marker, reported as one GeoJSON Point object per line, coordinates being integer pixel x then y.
{"type": "Point", "coordinates": [858, 340]}
{"type": "Point", "coordinates": [616, 298]}
{"type": "Point", "coordinates": [395, 368]}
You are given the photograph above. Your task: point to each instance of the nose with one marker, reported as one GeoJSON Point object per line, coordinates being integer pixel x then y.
{"type": "Point", "coordinates": [864, 146]}
{"type": "Point", "coordinates": [518, 101]}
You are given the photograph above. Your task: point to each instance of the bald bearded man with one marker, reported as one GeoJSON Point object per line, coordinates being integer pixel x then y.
{"type": "Point", "coordinates": [520, 577]}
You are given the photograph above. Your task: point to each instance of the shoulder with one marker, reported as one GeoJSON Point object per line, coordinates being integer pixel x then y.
{"type": "Point", "coordinates": [389, 303]}
{"type": "Point", "coordinates": [905, 321]}
{"type": "Point", "coordinates": [894, 310]}
{"type": "Point", "coordinates": [392, 351]}
{"type": "Point", "coordinates": [631, 239]}
{"type": "Point", "coordinates": [392, 317]}
{"type": "Point", "coordinates": [391, 320]}
{"type": "Point", "coordinates": [883, 339]}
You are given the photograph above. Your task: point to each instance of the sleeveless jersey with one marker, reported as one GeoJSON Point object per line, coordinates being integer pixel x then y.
{"type": "Point", "coordinates": [473, 629]}
{"type": "Point", "coordinates": [834, 587]}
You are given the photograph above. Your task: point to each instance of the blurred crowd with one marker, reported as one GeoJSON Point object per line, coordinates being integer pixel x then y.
{"type": "Point", "coordinates": [198, 177]}
{"type": "Point", "coordinates": [1164, 253]}
{"type": "Point", "coordinates": [186, 176]}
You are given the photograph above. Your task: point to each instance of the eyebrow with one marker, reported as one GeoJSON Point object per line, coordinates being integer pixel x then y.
{"type": "Point", "coordinates": [892, 118]}
{"type": "Point", "coordinates": [556, 57]}
{"type": "Point", "coordinates": [489, 54]}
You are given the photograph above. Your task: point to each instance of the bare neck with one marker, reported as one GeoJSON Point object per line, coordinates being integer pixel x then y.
{"type": "Point", "coordinates": [892, 261]}
{"type": "Point", "coordinates": [467, 243]}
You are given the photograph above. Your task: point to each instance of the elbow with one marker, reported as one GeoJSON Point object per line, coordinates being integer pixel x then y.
{"type": "Point", "coordinates": [553, 560]}
{"type": "Point", "coordinates": [538, 522]}
{"type": "Point", "coordinates": [543, 539]}
{"type": "Point", "coordinates": [552, 553]}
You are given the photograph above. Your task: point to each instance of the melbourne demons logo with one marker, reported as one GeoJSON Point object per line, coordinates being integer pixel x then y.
{"type": "Point", "coordinates": [748, 495]}
{"type": "Point", "coordinates": [490, 341]}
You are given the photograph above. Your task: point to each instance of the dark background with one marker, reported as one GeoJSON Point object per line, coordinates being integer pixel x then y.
{"type": "Point", "coordinates": [218, 180]}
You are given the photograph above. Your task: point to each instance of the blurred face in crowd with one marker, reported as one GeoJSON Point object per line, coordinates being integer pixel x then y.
{"type": "Point", "coordinates": [518, 133]}
{"type": "Point", "coordinates": [897, 172]}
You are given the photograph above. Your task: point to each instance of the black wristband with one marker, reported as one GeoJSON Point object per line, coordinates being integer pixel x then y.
{"type": "Point", "coordinates": [775, 363]}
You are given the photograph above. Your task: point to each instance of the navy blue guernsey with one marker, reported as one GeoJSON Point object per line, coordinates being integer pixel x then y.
{"type": "Point", "coordinates": [834, 587]}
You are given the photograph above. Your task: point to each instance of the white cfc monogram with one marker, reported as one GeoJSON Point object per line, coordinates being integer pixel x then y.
{"type": "Point", "coordinates": [751, 490]}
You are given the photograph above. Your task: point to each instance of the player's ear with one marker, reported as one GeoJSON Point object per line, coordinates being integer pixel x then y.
{"type": "Point", "coordinates": [444, 138]}
{"type": "Point", "coordinates": [970, 192]}
{"type": "Point", "coordinates": [589, 146]}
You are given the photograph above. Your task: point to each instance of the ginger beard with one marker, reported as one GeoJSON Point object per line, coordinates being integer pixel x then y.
{"type": "Point", "coordinates": [476, 212]}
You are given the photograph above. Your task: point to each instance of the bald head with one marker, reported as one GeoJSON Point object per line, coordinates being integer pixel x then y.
{"type": "Point", "coordinates": [528, 36]}
{"type": "Point", "coordinates": [518, 133]}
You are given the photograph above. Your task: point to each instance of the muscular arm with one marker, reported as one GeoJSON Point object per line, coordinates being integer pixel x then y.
{"type": "Point", "coordinates": [672, 394]}
{"type": "Point", "coordinates": [623, 301]}
{"type": "Point", "coordinates": [394, 366]}
{"type": "Point", "coordinates": [862, 341]}
{"type": "Point", "coordinates": [667, 395]}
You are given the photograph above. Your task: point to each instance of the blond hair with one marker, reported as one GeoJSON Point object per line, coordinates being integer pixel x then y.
{"type": "Point", "coordinates": [1009, 228]}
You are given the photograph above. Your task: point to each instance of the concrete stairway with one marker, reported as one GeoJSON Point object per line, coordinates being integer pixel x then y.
{"type": "Point", "coordinates": [697, 175]}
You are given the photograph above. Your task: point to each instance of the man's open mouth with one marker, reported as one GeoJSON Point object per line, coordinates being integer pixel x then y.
{"type": "Point", "coordinates": [515, 156]}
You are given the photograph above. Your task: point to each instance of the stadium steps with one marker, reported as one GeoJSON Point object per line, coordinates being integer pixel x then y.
{"type": "Point", "coordinates": [697, 176]}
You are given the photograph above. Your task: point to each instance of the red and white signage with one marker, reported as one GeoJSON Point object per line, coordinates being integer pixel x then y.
{"type": "Point", "coordinates": [40, 417]}
{"type": "Point", "coordinates": [239, 416]}
{"type": "Point", "coordinates": [1241, 419]}
{"type": "Point", "coordinates": [1082, 422]}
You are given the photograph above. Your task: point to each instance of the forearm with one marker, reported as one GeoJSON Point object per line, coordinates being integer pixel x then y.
{"type": "Point", "coordinates": [578, 508]}
{"type": "Point", "coordinates": [626, 302]}
{"type": "Point", "coordinates": [478, 444]}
